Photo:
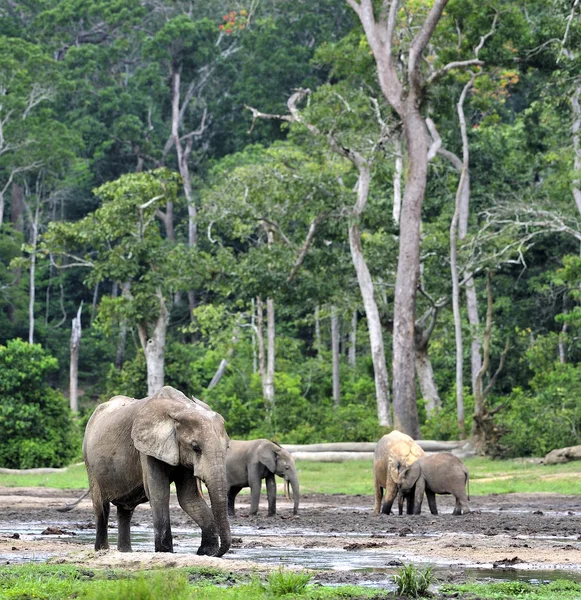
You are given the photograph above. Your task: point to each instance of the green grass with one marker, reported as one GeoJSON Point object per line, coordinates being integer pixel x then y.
{"type": "Point", "coordinates": [52, 582]}
{"type": "Point", "coordinates": [556, 590]}
{"type": "Point", "coordinates": [412, 582]}
{"type": "Point", "coordinates": [356, 477]}
{"type": "Point", "coordinates": [74, 477]}
{"type": "Point", "coordinates": [486, 477]}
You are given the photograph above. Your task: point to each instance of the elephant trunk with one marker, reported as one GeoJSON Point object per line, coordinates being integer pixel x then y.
{"type": "Point", "coordinates": [294, 483]}
{"type": "Point", "coordinates": [218, 499]}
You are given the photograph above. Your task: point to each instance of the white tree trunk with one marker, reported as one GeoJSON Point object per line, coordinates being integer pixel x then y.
{"type": "Point", "coordinates": [32, 278]}
{"type": "Point", "coordinates": [425, 374]}
{"type": "Point", "coordinates": [335, 353]}
{"type": "Point", "coordinates": [397, 180]}
{"type": "Point", "coordinates": [260, 340]}
{"type": "Point", "coordinates": [74, 370]}
{"type": "Point", "coordinates": [369, 303]}
{"type": "Point", "coordinates": [575, 129]}
{"type": "Point", "coordinates": [353, 340]}
{"type": "Point", "coordinates": [270, 352]}
{"type": "Point", "coordinates": [154, 348]}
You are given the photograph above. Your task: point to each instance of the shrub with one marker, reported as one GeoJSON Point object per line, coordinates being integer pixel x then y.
{"type": "Point", "coordinates": [413, 582]}
{"type": "Point", "coordinates": [37, 428]}
{"type": "Point", "coordinates": [281, 582]}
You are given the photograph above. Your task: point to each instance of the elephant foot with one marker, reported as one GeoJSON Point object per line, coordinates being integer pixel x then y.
{"type": "Point", "coordinates": [208, 550]}
{"type": "Point", "coordinates": [271, 514]}
{"type": "Point", "coordinates": [124, 549]}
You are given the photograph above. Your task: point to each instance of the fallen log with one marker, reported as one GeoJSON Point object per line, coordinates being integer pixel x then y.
{"type": "Point", "coordinates": [562, 455]}
{"type": "Point", "coordinates": [427, 445]}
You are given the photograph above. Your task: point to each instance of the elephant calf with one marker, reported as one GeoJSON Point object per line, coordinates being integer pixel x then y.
{"type": "Point", "coordinates": [393, 451]}
{"type": "Point", "coordinates": [249, 462]}
{"type": "Point", "coordinates": [441, 473]}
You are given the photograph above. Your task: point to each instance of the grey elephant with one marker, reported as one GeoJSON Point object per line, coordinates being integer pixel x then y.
{"type": "Point", "coordinates": [393, 451]}
{"type": "Point", "coordinates": [441, 473]}
{"type": "Point", "coordinates": [249, 462]}
{"type": "Point", "coordinates": [134, 450]}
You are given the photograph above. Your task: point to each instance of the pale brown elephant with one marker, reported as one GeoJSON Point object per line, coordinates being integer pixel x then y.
{"type": "Point", "coordinates": [441, 473]}
{"type": "Point", "coordinates": [248, 462]}
{"type": "Point", "coordinates": [392, 451]}
{"type": "Point", "coordinates": [134, 450]}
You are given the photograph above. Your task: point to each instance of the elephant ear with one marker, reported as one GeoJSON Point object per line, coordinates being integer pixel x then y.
{"type": "Point", "coordinates": [267, 457]}
{"type": "Point", "coordinates": [154, 434]}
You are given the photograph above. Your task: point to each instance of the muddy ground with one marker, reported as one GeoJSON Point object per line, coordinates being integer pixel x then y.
{"type": "Point", "coordinates": [513, 535]}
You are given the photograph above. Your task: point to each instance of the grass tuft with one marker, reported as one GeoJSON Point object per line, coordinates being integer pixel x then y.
{"type": "Point", "coordinates": [281, 582]}
{"type": "Point", "coordinates": [156, 586]}
{"type": "Point", "coordinates": [413, 582]}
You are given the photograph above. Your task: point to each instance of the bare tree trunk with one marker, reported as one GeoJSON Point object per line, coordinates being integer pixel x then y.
{"type": "Point", "coordinates": [335, 353]}
{"type": "Point", "coordinates": [224, 362]}
{"type": "Point", "coordinates": [154, 347]}
{"type": "Point", "coordinates": [74, 370]}
{"type": "Point", "coordinates": [397, 180]}
{"type": "Point", "coordinates": [260, 340]}
{"type": "Point", "coordinates": [32, 280]}
{"type": "Point", "coordinates": [317, 331]}
{"type": "Point", "coordinates": [404, 388]}
{"type": "Point", "coordinates": [253, 329]}
{"type": "Point", "coordinates": [575, 129]}
{"type": "Point", "coordinates": [353, 339]}
{"type": "Point", "coordinates": [425, 374]}
{"type": "Point", "coordinates": [270, 353]}
{"type": "Point", "coordinates": [371, 310]}
{"type": "Point", "coordinates": [562, 337]}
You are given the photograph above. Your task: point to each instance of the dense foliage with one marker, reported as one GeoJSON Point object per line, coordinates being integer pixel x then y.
{"type": "Point", "coordinates": [135, 178]}
{"type": "Point", "coordinates": [36, 426]}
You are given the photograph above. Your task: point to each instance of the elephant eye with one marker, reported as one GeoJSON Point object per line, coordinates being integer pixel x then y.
{"type": "Point", "coordinates": [196, 448]}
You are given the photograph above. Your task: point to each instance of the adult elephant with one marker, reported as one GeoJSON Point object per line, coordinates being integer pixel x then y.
{"type": "Point", "coordinates": [134, 450]}
{"type": "Point", "coordinates": [393, 451]}
{"type": "Point", "coordinates": [249, 462]}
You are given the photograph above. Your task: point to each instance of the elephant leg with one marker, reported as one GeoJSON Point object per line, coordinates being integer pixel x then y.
{"type": "Point", "coordinates": [419, 495]}
{"type": "Point", "coordinates": [390, 494]}
{"type": "Point", "coordinates": [271, 495]}
{"type": "Point", "coordinates": [232, 493]}
{"type": "Point", "coordinates": [432, 502]}
{"type": "Point", "coordinates": [378, 497]}
{"type": "Point", "coordinates": [124, 528]}
{"type": "Point", "coordinates": [461, 506]}
{"type": "Point", "coordinates": [255, 482]}
{"type": "Point", "coordinates": [400, 500]}
{"type": "Point", "coordinates": [101, 525]}
{"type": "Point", "coordinates": [157, 488]}
{"type": "Point", "coordinates": [410, 502]}
{"type": "Point", "coordinates": [195, 506]}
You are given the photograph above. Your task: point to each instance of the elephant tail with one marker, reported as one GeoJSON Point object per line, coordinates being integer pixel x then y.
{"type": "Point", "coordinates": [468, 484]}
{"type": "Point", "coordinates": [69, 507]}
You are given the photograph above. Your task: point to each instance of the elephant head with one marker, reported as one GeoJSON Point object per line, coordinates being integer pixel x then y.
{"type": "Point", "coordinates": [408, 476]}
{"type": "Point", "coordinates": [180, 431]}
{"type": "Point", "coordinates": [280, 462]}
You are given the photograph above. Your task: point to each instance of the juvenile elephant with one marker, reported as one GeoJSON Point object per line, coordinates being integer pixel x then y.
{"type": "Point", "coordinates": [441, 473]}
{"type": "Point", "coordinates": [249, 462]}
{"type": "Point", "coordinates": [134, 449]}
{"type": "Point", "coordinates": [394, 450]}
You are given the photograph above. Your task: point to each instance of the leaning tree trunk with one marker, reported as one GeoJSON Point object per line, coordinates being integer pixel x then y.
{"type": "Point", "coordinates": [74, 370]}
{"type": "Point", "coordinates": [154, 347]}
{"type": "Point", "coordinates": [369, 303]}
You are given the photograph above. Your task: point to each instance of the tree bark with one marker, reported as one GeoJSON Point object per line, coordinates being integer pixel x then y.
{"type": "Point", "coordinates": [74, 370]}
{"type": "Point", "coordinates": [154, 347]}
{"type": "Point", "coordinates": [32, 273]}
{"type": "Point", "coordinates": [425, 374]}
{"type": "Point", "coordinates": [335, 353]}
{"type": "Point", "coordinates": [369, 303]}
{"type": "Point", "coordinates": [397, 180]}
{"type": "Point", "coordinates": [260, 340]}
{"type": "Point", "coordinates": [270, 353]}
{"type": "Point", "coordinates": [575, 129]}
{"type": "Point", "coordinates": [353, 340]}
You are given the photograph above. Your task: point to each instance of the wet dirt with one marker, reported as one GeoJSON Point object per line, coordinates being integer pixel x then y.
{"type": "Point", "coordinates": [526, 536]}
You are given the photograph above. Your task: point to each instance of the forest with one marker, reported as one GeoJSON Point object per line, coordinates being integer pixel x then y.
{"type": "Point", "coordinates": [324, 218]}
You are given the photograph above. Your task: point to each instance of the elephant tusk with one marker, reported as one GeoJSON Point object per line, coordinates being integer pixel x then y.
{"type": "Point", "coordinates": [287, 491]}
{"type": "Point", "coordinates": [199, 486]}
